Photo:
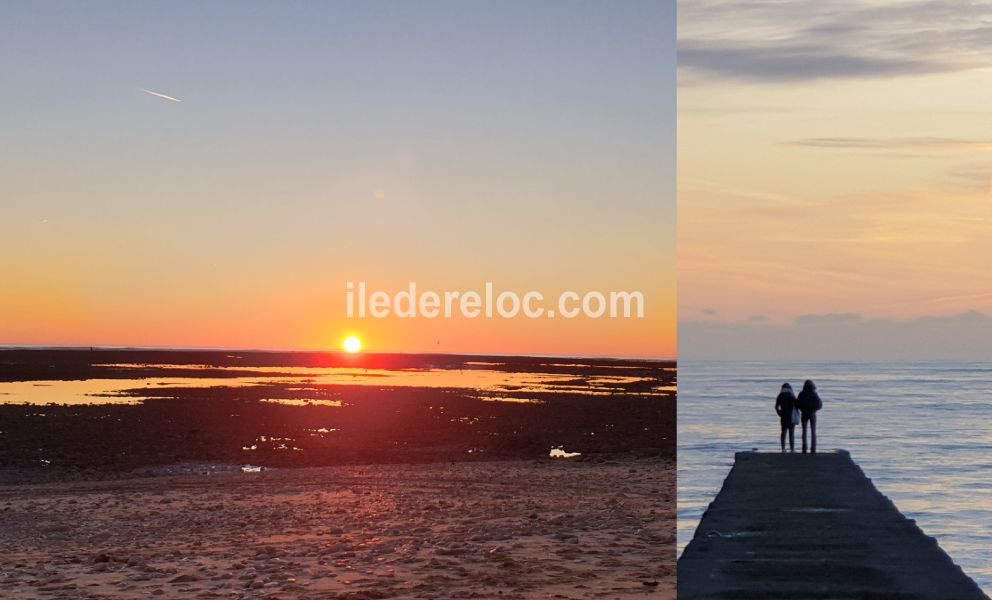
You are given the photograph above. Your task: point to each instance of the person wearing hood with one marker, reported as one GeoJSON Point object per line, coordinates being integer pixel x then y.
{"type": "Point", "coordinates": [808, 403]}
{"type": "Point", "coordinates": [785, 406]}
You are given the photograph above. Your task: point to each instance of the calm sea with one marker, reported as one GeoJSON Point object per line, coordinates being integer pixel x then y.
{"type": "Point", "coordinates": [921, 431]}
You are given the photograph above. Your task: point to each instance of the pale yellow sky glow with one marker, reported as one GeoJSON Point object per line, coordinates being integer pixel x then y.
{"type": "Point", "coordinates": [840, 165]}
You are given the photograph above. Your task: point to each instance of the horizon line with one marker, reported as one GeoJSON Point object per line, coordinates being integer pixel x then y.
{"type": "Point", "coordinates": [321, 351]}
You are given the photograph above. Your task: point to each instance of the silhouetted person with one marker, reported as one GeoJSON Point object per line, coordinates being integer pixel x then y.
{"type": "Point", "coordinates": [785, 406]}
{"type": "Point", "coordinates": [808, 403]}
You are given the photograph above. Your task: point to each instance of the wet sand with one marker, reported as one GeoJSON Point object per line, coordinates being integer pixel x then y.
{"type": "Point", "coordinates": [511, 529]}
{"type": "Point", "coordinates": [601, 407]}
{"type": "Point", "coordinates": [812, 526]}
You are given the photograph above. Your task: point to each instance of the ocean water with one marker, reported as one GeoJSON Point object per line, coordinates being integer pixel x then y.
{"type": "Point", "coordinates": [921, 431]}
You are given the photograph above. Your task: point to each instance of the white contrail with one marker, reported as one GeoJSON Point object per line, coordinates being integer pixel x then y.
{"type": "Point", "coordinates": [170, 98]}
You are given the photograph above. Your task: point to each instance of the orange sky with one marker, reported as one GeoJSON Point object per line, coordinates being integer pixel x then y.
{"type": "Point", "coordinates": [308, 146]}
{"type": "Point", "coordinates": [833, 160]}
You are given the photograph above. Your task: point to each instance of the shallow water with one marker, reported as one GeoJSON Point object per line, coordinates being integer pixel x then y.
{"type": "Point", "coordinates": [921, 431]}
{"type": "Point", "coordinates": [489, 383]}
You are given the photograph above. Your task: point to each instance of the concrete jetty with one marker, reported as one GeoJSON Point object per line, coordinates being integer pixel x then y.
{"type": "Point", "coordinates": [794, 526]}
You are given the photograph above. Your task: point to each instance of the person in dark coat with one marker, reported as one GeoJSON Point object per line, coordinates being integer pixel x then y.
{"type": "Point", "coordinates": [785, 404]}
{"type": "Point", "coordinates": [808, 403]}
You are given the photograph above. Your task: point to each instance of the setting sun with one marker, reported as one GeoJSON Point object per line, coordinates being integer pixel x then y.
{"type": "Point", "coordinates": [352, 344]}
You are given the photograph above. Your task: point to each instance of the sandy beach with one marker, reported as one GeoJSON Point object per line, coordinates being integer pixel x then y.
{"type": "Point", "coordinates": [510, 529]}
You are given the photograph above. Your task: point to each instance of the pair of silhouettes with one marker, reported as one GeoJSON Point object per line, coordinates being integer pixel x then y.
{"type": "Point", "coordinates": [792, 410]}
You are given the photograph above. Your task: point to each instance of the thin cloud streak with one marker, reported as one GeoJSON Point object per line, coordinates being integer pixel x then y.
{"type": "Point", "coordinates": [788, 63]}
{"type": "Point", "coordinates": [163, 96]}
{"type": "Point", "coordinates": [889, 143]}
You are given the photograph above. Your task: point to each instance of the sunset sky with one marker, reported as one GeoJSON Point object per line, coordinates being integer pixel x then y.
{"type": "Point", "coordinates": [295, 147]}
{"type": "Point", "coordinates": [834, 169]}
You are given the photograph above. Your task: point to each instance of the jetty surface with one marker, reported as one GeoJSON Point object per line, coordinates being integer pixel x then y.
{"type": "Point", "coordinates": [812, 526]}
